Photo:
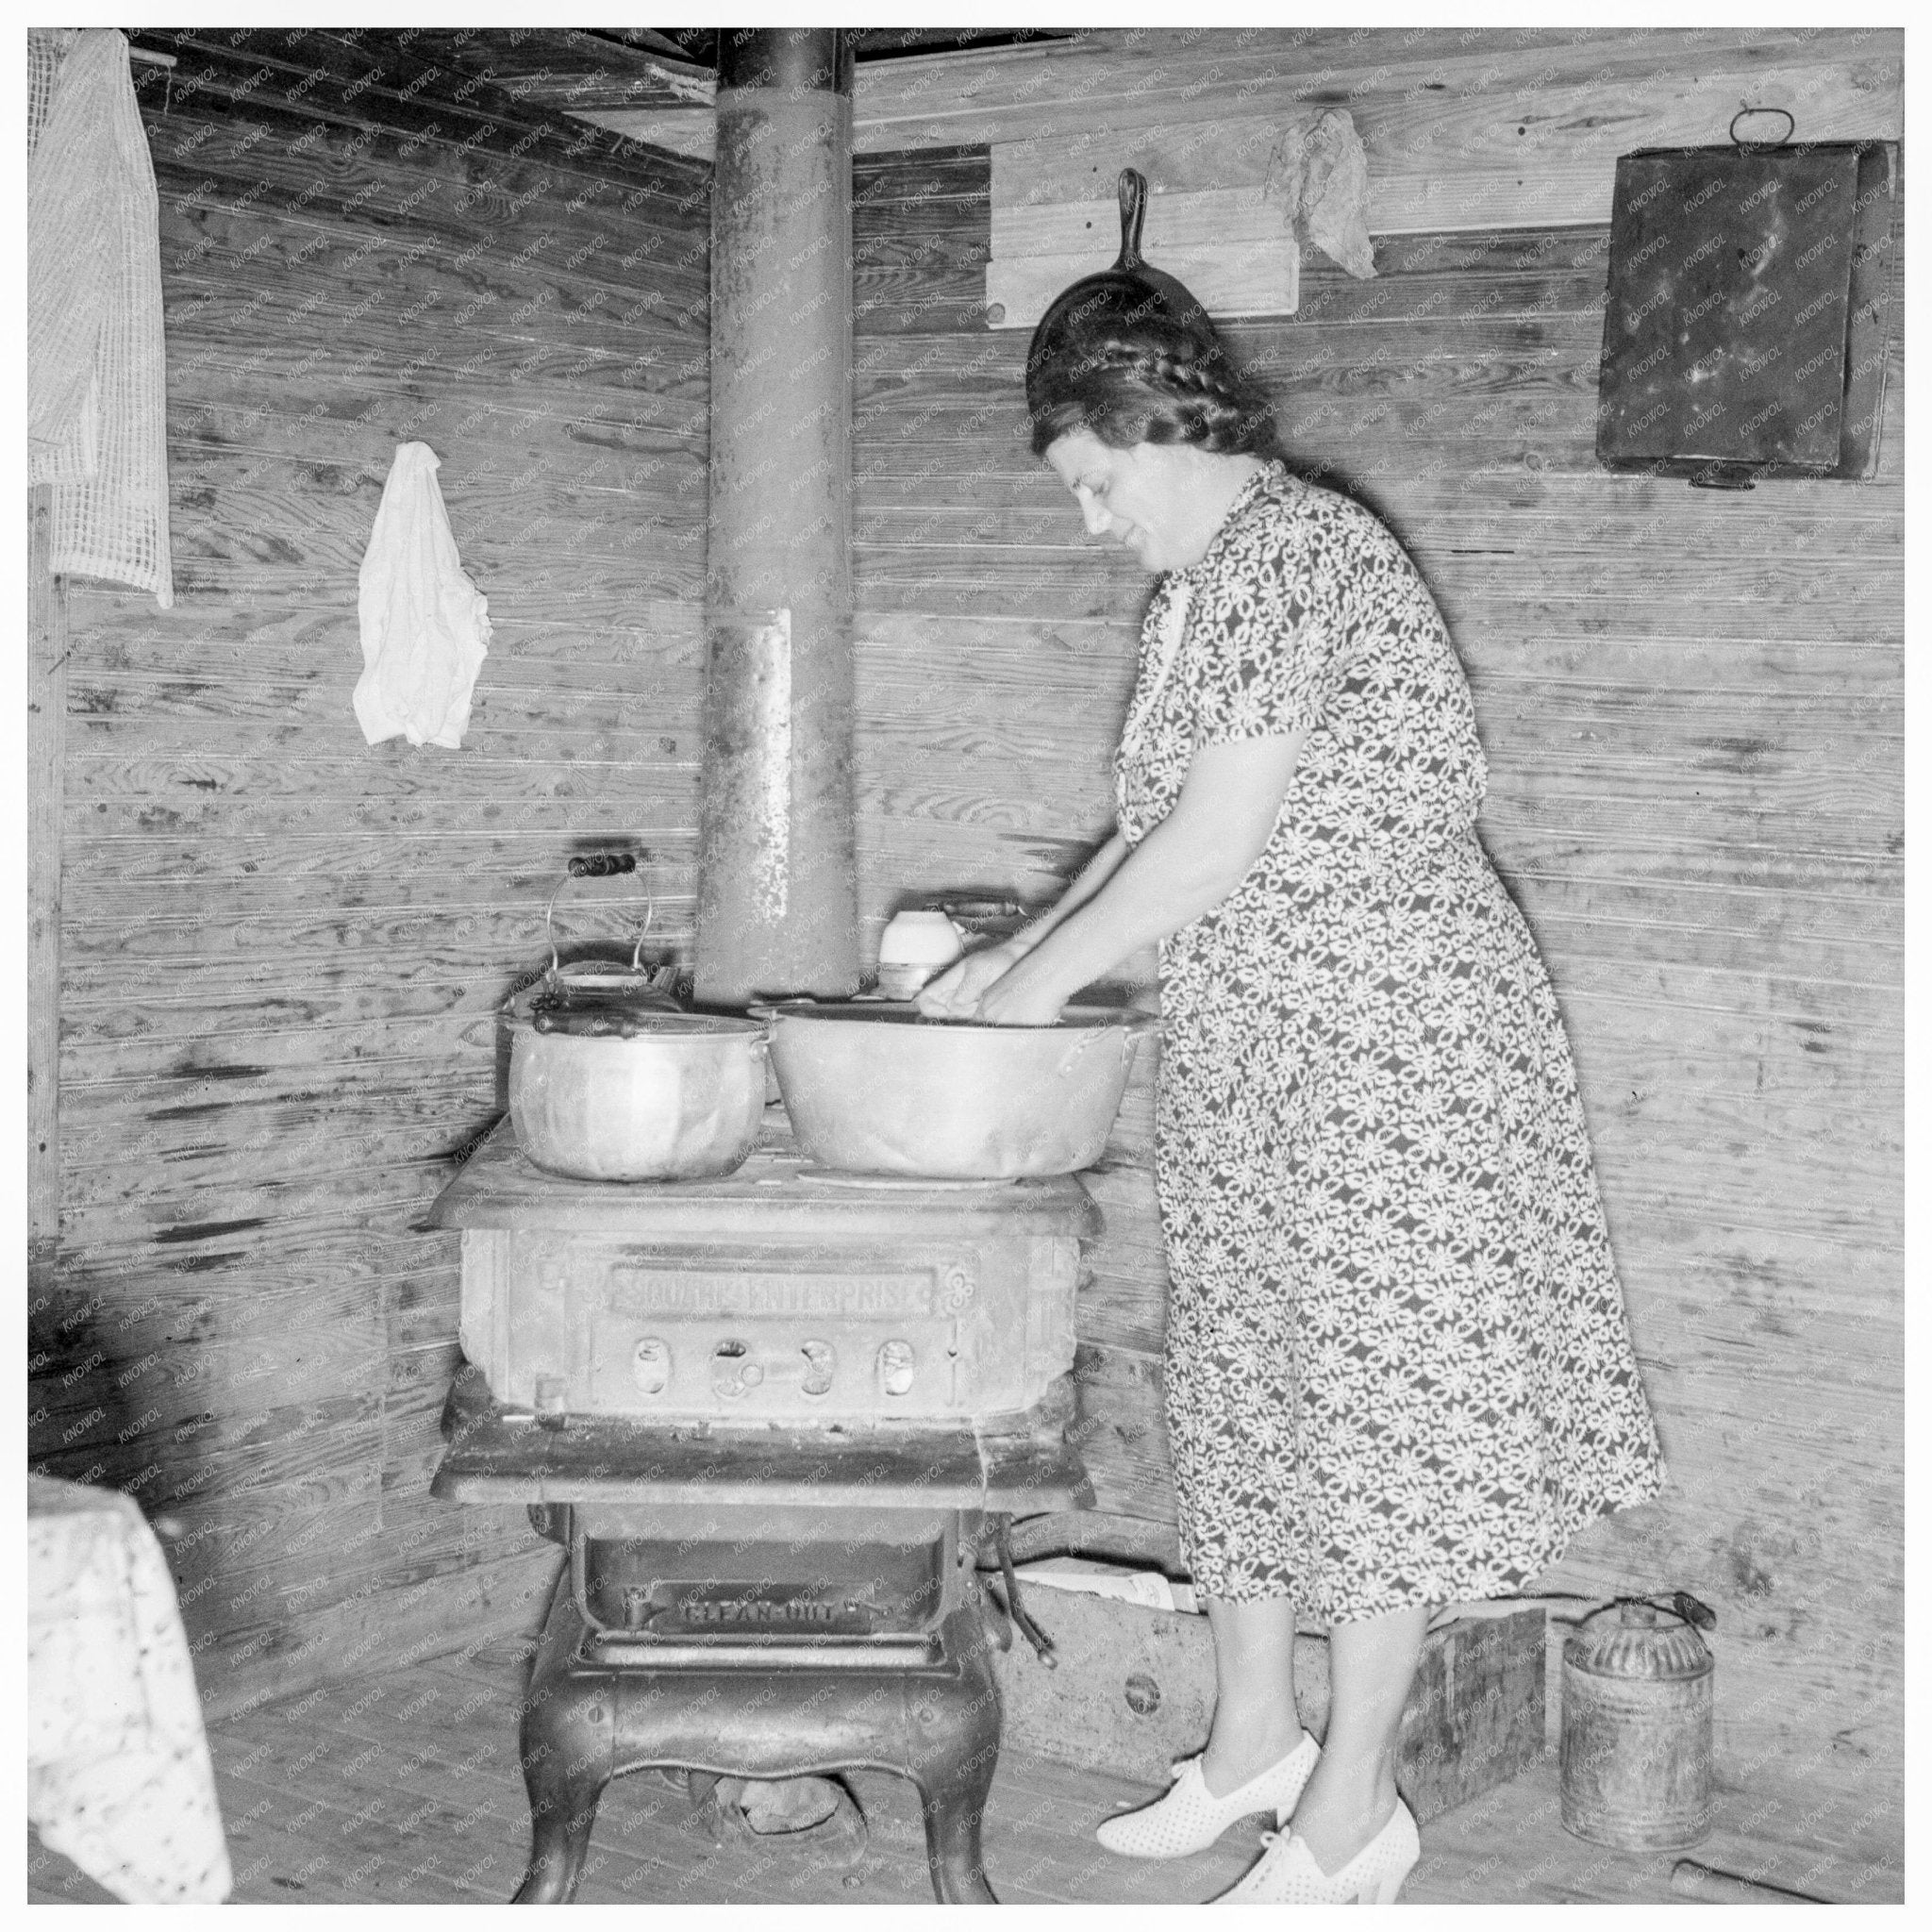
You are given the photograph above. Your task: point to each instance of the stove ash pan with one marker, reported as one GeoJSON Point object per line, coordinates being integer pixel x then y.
{"type": "Point", "coordinates": [696, 1575]}
{"type": "Point", "coordinates": [797, 1330]}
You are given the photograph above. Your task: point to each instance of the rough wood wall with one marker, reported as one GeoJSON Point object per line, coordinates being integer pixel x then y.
{"type": "Point", "coordinates": [1692, 707]}
{"type": "Point", "coordinates": [282, 945]}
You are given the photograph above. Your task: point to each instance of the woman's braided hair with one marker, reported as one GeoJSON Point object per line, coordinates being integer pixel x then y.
{"type": "Point", "coordinates": [1117, 358]}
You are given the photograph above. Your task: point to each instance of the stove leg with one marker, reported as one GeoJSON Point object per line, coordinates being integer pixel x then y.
{"type": "Point", "coordinates": [567, 1746]}
{"type": "Point", "coordinates": [562, 1810]}
{"type": "Point", "coordinates": [951, 1806]}
{"type": "Point", "coordinates": [954, 1772]}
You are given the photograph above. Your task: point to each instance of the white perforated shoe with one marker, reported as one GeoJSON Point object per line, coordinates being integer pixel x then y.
{"type": "Point", "coordinates": [1286, 1874]}
{"type": "Point", "coordinates": [1190, 1818]}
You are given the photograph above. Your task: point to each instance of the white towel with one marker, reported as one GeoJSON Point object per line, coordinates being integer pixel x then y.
{"type": "Point", "coordinates": [424, 626]}
{"type": "Point", "coordinates": [96, 378]}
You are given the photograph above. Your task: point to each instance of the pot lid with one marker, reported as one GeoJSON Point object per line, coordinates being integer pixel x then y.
{"type": "Point", "coordinates": [597, 982]}
{"type": "Point", "coordinates": [619, 1020]}
{"type": "Point", "coordinates": [906, 1013]}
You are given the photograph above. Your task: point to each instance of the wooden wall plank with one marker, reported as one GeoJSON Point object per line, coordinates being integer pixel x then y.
{"type": "Point", "coordinates": [1257, 273]}
{"type": "Point", "coordinates": [412, 282]}
{"type": "Point", "coordinates": [222, 546]}
{"type": "Point", "coordinates": [47, 764]}
{"type": "Point", "coordinates": [1471, 528]}
{"type": "Point", "coordinates": [318, 962]}
{"type": "Point", "coordinates": [238, 642]}
{"type": "Point", "coordinates": [356, 1197]}
{"type": "Point", "coordinates": [1475, 80]}
{"type": "Point", "coordinates": [1036, 212]}
{"type": "Point", "coordinates": [1442, 156]}
{"type": "Point", "coordinates": [1447, 137]}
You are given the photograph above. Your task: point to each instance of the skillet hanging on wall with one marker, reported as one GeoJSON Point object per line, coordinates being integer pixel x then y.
{"type": "Point", "coordinates": [1083, 315]}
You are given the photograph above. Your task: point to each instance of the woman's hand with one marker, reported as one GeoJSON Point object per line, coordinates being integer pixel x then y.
{"type": "Point", "coordinates": [957, 993]}
{"type": "Point", "coordinates": [1021, 999]}
{"type": "Point", "coordinates": [997, 987]}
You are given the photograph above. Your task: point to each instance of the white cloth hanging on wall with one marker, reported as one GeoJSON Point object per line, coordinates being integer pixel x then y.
{"type": "Point", "coordinates": [1319, 172]}
{"type": "Point", "coordinates": [424, 625]}
{"type": "Point", "coordinates": [96, 370]}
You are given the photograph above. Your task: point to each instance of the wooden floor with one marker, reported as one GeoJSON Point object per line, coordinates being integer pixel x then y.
{"type": "Point", "coordinates": [404, 1788]}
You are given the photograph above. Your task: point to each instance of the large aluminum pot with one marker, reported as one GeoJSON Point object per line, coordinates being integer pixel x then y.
{"type": "Point", "coordinates": [874, 1087]}
{"type": "Point", "coordinates": [644, 1095]}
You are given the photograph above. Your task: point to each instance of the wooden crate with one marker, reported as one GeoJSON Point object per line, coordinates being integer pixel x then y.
{"type": "Point", "coordinates": [1133, 1690]}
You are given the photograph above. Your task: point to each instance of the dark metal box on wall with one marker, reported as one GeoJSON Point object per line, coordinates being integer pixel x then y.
{"type": "Point", "coordinates": [1745, 324]}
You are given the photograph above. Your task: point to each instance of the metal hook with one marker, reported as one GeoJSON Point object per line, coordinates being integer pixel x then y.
{"type": "Point", "coordinates": [637, 951]}
{"type": "Point", "coordinates": [1790, 129]}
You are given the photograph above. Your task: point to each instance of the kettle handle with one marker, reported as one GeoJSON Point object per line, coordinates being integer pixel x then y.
{"type": "Point", "coordinates": [597, 865]}
{"type": "Point", "coordinates": [601, 865]}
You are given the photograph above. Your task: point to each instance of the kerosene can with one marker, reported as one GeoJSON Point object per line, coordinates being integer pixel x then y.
{"type": "Point", "coordinates": [1637, 1730]}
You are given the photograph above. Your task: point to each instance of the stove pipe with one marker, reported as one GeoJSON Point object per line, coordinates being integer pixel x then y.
{"type": "Point", "coordinates": [777, 893]}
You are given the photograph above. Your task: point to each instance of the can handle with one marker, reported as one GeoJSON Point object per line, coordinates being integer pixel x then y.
{"type": "Point", "coordinates": [1680, 1603]}
{"type": "Point", "coordinates": [1699, 1615]}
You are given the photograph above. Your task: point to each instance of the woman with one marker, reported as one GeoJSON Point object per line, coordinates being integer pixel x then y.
{"type": "Point", "coordinates": [1398, 1371]}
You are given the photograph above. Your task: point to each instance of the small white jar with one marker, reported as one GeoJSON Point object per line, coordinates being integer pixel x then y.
{"type": "Point", "coordinates": [914, 948]}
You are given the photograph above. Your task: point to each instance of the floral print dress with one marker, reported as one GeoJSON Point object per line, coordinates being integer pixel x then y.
{"type": "Point", "coordinates": [1397, 1367]}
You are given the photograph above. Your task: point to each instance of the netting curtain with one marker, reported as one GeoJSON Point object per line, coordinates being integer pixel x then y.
{"type": "Point", "coordinates": [96, 394]}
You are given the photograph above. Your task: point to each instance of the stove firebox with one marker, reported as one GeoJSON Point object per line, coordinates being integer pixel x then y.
{"type": "Point", "coordinates": [778, 1293]}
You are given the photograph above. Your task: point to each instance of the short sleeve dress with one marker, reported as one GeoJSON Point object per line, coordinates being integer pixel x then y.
{"type": "Point", "coordinates": [1398, 1369]}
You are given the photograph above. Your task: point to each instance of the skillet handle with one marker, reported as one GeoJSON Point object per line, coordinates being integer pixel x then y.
{"type": "Point", "coordinates": [1133, 195]}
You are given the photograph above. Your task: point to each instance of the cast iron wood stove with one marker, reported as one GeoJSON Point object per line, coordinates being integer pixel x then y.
{"type": "Point", "coordinates": [772, 1418]}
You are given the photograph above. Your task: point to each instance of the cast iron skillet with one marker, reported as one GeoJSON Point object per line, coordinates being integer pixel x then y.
{"type": "Point", "coordinates": [1129, 274]}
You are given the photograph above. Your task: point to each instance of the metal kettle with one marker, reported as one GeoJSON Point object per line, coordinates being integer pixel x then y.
{"type": "Point", "coordinates": [595, 996]}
